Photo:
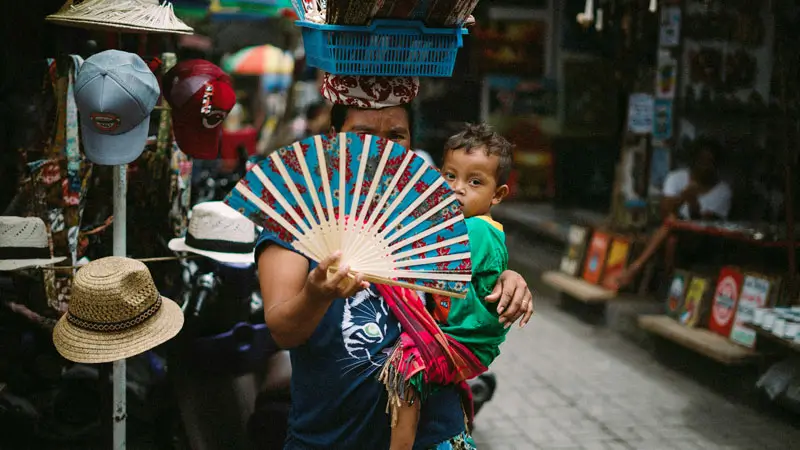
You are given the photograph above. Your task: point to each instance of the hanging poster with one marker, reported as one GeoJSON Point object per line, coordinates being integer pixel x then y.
{"type": "Point", "coordinates": [640, 113]}
{"type": "Point", "coordinates": [659, 168]}
{"type": "Point", "coordinates": [666, 75]}
{"type": "Point", "coordinates": [670, 35]}
{"type": "Point", "coordinates": [662, 119]}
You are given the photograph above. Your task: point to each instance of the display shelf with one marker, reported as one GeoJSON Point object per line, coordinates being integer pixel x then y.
{"type": "Point", "coordinates": [577, 288]}
{"type": "Point", "coordinates": [711, 230]}
{"type": "Point", "coordinates": [699, 340]}
{"type": "Point", "coordinates": [767, 335]}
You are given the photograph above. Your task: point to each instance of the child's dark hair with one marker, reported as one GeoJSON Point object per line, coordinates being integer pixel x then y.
{"type": "Point", "coordinates": [483, 136]}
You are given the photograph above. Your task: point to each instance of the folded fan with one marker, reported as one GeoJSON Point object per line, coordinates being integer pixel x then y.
{"type": "Point", "coordinates": [390, 213]}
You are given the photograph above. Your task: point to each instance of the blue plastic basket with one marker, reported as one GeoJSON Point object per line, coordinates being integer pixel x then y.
{"type": "Point", "coordinates": [384, 48]}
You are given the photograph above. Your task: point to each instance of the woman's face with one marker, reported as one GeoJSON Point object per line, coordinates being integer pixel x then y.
{"type": "Point", "coordinates": [388, 123]}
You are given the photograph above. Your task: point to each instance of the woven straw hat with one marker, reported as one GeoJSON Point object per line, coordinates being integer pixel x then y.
{"type": "Point", "coordinates": [219, 232]}
{"type": "Point", "coordinates": [121, 15]}
{"type": "Point", "coordinates": [115, 312]}
{"type": "Point", "coordinates": [24, 243]}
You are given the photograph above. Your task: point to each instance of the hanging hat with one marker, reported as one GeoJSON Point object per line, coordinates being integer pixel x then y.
{"type": "Point", "coordinates": [24, 242]}
{"type": "Point", "coordinates": [219, 232]}
{"type": "Point", "coordinates": [368, 91]}
{"type": "Point", "coordinates": [201, 96]}
{"type": "Point", "coordinates": [115, 312]}
{"type": "Point", "coordinates": [115, 92]}
{"type": "Point", "coordinates": [120, 15]}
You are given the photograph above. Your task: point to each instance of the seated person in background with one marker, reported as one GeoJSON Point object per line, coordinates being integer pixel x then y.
{"type": "Point", "coordinates": [696, 193]}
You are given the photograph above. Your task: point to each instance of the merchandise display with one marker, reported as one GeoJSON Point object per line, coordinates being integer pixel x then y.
{"type": "Point", "coordinates": [115, 92]}
{"type": "Point", "coordinates": [596, 255]}
{"type": "Point", "coordinates": [218, 232]}
{"type": "Point", "coordinates": [24, 242]}
{"type": "Point", "coordinates": [201, 96]}
{"type": "Point", "coordinates": [726, 300]}
{"type": "Point", "coordinates": [572, 260]}
{"type": "Point", "coordinates": [617, 261]}
{"type": "Point", "coordinates": [676, 297]}
{"type": "Point", "coordinates": [115, 312]}
{"type": "Point", "coordinates": [697, 302]}
{"type": "Point", "coordinates": [756, 292]}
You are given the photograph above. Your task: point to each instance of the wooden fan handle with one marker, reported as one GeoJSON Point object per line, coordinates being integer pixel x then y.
{"type": "Point", "coordinates": [346, 282]}
{"type": "Point", "coordinates": [389, 282]}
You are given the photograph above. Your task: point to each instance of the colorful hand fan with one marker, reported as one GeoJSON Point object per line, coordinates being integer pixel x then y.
{"type": "Point", "coordinates": [390, 213]}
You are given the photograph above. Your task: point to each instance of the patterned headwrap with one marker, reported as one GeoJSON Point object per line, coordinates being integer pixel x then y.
{"type": "Point", "coordinates": [368, 91]}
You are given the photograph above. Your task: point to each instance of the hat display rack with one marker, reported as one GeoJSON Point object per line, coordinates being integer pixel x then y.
{"type": "Point", "coordinates": [122, 16]}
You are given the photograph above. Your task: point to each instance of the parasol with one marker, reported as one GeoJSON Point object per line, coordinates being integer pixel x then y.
{"type": "Point", "coordinates": [275, 66]}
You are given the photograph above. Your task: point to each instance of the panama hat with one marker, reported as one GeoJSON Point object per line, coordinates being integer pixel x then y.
{"type": "Point", "coordinates": [24, 243]}
{"type": "Point", "coordinates": [115, 312]}
{"type": "Point", "coordinates": [219, 232]}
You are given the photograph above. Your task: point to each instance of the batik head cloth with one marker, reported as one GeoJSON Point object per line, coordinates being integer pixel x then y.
{"type": "Point", "coordinates": [368, 91]}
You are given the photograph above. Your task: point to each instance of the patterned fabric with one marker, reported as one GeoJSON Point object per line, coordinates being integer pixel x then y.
{"type": "Point", "coordinates": [290, 192]}
{"type": "Point", "coordinates": [422, 349]}
{"type": "Point", "coordinates": [461, 442]}
{"type": "Point", "coordinates": [368, 91]}
{"type": "Point", "coordinates": [59, 183]}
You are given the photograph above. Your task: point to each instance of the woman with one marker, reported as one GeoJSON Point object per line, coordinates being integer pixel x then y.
{"type": "Point", "coordinates": [338, 329]}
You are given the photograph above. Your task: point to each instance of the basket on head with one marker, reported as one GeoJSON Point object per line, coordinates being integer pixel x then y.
{"type": "Point", "coordinates": [135, 16]}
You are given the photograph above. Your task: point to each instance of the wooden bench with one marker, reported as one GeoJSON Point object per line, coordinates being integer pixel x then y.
{"type": "Point", "coordinates": [700, 340]}
{"type": "Point", "coordinates": [577, 288]}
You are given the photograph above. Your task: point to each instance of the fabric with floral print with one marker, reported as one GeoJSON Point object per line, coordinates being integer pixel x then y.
{"type": "Point", "coordinates": [461, 442]}
{"type": "Point", "coordinates": [370, 92]}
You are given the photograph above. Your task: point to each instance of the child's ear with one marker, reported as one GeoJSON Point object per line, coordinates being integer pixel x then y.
{"type": "Point", "coordinates": [500, 194]}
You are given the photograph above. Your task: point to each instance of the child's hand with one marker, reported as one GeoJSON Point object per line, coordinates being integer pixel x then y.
{"type": "Point", "coordinates": [323, 285]}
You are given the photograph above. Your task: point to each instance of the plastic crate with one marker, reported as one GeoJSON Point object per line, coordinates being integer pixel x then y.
{"type": "Point", "coordinates": [384, 48]}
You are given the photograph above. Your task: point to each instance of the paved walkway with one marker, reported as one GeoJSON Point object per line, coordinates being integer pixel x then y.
{"type": "Point", "coordinates": [563, 384]}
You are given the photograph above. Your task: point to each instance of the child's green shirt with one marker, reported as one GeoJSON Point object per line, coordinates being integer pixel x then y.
{"type": "Point", "coordinates": [472, 321]}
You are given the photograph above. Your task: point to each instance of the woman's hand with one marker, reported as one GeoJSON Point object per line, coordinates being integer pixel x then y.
{"type": "Point", "coordinates": [515, 299]}
{"type": "Point", "coordinates": [321, 285]}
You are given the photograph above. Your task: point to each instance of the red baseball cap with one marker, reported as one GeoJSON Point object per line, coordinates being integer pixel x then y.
{"type": "Point", "coordinates": [201, 96]}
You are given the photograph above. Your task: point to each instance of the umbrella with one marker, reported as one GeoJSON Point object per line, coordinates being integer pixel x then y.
{"type": "Point", "coordinates": [275, 66]}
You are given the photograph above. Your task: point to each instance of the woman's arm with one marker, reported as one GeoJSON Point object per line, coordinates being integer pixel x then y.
{"type": "Point", "coordinates": [295, 300]}
{"type": "Point", "coordinates": [514, 297]}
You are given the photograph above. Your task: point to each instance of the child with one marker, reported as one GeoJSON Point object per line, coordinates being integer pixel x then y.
{"type": "Point", "coordinates": [476, 165]}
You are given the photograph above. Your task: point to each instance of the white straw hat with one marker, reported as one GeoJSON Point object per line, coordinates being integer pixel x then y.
{"type": "Point", "coordinates": [219, 232]}
{"type": "Point", "coordinates": [115, 312]}
{"type": "Point", "coordinates": [121, 15]}
{"type": "Point", "coordinates": [24, 243]}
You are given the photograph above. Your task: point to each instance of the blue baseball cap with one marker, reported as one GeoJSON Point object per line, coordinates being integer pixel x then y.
{"type": "Point", "coordinates": [115, 92]}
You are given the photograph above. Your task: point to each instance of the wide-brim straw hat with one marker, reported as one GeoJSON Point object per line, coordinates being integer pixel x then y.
{"type": "Point", "coordinates": [134, 16]}
{"type": "Point", "coordinates": [115, 312]}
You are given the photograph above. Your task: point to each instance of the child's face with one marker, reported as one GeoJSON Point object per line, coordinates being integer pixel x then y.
{"type": "Point", "coordinates": [473, 177]}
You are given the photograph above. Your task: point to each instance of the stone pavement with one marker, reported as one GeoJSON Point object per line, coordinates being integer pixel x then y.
{"type": "Point", "coordinates": [563, 384]}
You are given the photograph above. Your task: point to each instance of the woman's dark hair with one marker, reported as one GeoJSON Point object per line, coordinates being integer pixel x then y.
{"type": "Point", "coordinates": [339, 115]}
{"type": "Point", "coordinates": [315, 109]}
